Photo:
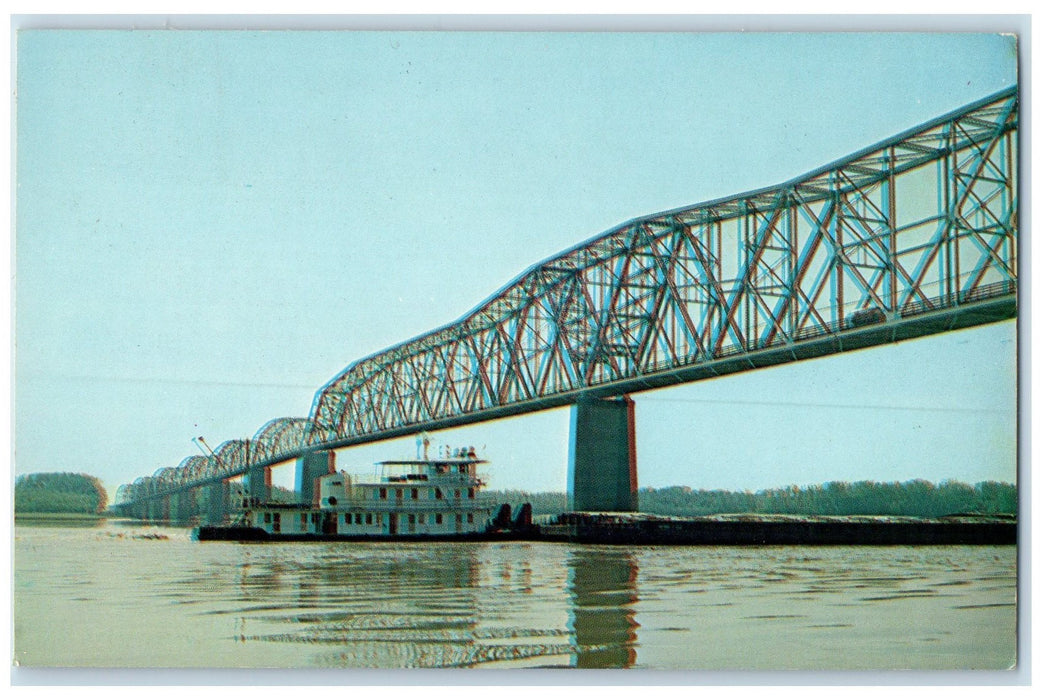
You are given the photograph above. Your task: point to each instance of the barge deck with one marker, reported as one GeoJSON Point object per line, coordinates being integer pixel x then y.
{"type": "Point", "coordinates": [719, 530]}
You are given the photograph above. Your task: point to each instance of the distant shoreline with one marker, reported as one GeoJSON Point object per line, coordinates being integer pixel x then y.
{"type": "Point", "coordinates": [79, 517]}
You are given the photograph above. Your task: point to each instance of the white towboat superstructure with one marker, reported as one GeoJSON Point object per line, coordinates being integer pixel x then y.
{"type": "Point", "coordinates": [423, 498]}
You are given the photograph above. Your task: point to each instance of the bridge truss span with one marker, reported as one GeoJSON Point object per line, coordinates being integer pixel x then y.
{"type": "Point", "coordinates": [923, 223]}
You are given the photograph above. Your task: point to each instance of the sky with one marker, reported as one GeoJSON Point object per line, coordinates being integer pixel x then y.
{"type": "Point", "coordinates": [209, 226]}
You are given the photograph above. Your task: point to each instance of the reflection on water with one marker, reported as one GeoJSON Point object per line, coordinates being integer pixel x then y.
{"type": "Point", "coordinates": [125, 595]}
{"type": "Point", "coordinates": [364, 606]}
{"type": "Point", "coordinates": [602, 582]}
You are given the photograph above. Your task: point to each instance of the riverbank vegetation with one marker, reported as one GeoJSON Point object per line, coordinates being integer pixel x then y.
{"type": "Point", "coordinates": [916, 498]}
{"type": "Point", "coordinates": [59, 492]}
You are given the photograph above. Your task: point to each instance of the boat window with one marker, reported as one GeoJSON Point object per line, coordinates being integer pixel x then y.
{"type": "Point", "coordinates": [412, 519]}
{"type": "Point", "coordinates": [358, 518]}
{"type": "Point", "coordinates": [457, 493]}
{"type": "Point", "coordinates": [470, 493]}
{"type": "Point", "coordinates": [462, 469]}
{"type": "Point", "coordinates": [437, 494]}
{"type": "Point", "coordinates": [383, 493]}
{"type": "Point", "coordinates": [415, 494]}
{"type": "Point", "coordinates": [398, 494]}
{"type": "Point", "coordinates": [368, 518]}
{"type": "Point", "coordinates": [437, 518]}
{"type": "Point", "coordinates": [423, 519]}
{"type": "Point", "coordinates": [459, 518]}
{"type": "Point", "coordinates": [267, 517]}
{"type": "Point", "coordinates": [470, 517]}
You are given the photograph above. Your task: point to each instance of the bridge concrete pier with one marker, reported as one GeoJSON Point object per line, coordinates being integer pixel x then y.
{"type": "Point", "coordinates": [258, 484]}
{"type": "Point", "coordinates": [602, 456]}
{"type": "Point", "coordinates": [184, 507]}
{"type": "Point", "coordinates": [312, 466]}
{"type": "Point", "coordinates": [218, 503]}
{"type": "Point", "coordinates": [198, 494]}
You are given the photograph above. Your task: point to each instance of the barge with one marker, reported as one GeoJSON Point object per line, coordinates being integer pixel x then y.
{"type": "Point", "coordinates": [772, 529]}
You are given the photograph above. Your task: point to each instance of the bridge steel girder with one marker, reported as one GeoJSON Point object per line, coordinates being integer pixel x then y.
{"type": "Point", "coordinates": [912, 236]}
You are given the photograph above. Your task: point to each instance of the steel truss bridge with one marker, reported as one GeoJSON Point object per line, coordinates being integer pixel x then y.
{"type": "Point", "coordinates": [912, 236]}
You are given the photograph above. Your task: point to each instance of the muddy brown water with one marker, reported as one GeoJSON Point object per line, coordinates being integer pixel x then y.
{"type": "Point", "coordinates": [122, 595]}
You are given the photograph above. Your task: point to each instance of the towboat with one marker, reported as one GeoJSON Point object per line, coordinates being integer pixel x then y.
{"type": "Point", "coordinates": [425, 498]}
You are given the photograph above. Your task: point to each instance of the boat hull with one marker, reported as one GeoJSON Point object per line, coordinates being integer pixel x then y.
{"type": "Point", "coordinates": [237, 533]}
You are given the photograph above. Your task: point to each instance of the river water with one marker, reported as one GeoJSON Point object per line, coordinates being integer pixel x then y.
{"type": "Point", "coordinates": [116, 595]}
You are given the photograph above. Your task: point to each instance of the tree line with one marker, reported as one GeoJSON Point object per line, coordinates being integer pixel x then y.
{"type": "Point", "coordinates": [64, 492]}
{"type": "Point", "coordinates": [59, 492]}
{"type": "Point", "coordinates": [917, 497]}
